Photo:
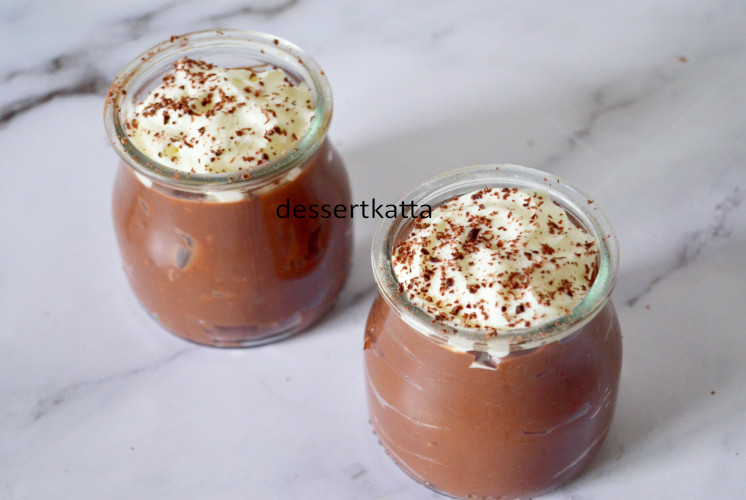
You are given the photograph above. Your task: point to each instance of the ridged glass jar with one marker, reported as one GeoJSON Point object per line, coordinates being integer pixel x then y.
{"type": "Point", "coordinates": [509, 416]}
{"type": "Point", "coordinates": [208, 255]}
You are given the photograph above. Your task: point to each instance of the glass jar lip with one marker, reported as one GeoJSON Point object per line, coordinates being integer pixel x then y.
{"type": "Point", "coordinates": [464, 180]}
{"type": "Point", "coordinates": [260, 44]}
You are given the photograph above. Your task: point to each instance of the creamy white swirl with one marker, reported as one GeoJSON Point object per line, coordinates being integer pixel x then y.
{"type": "Point", "coordinates": [496, 259]}
{"type": "Point", "coordinates": [207, 119]}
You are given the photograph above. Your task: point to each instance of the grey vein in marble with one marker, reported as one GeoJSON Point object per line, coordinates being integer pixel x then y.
{"type": "Point", "coordinates": [137, 26]}
{"type": "Point", "coordinates": [90, 83]}
{"type": "Point", "coordinates": [601, 108]}
{"type": "Point", "coordinates": [64, 395]}
{"type": "Point", "coordinates": [699, 241]}
{"type": "Point", "coordinates": [605, 99]}
{"type": "Point", "coordinates": [269, 11]}
{"type": "Point", "coordinates": [82, 79]}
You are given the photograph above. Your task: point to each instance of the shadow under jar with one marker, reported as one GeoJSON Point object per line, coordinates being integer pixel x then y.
{"type": "Point", "coordinates": [208, 254]}
{"type": "Point", "coordinates": [511, 415]}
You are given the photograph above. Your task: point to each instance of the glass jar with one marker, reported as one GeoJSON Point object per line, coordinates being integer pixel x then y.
{"type": "Point", "coordinates": [509, 416]}
{"type": "Point", "coordinates": [211, 256]}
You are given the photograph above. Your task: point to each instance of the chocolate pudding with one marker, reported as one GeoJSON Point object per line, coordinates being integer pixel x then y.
{"type": "Point", "coordinates": [232, 273]}
{"type": "Point", "coordinates": [492, 354]}
{"type": "Point", "coordinates": [209, 154]}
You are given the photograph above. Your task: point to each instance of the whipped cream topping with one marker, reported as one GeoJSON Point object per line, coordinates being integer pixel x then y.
{"type": "Point", "coordinates": [496, 260]}
{"type": "Point", "coordinates": [207, 119]}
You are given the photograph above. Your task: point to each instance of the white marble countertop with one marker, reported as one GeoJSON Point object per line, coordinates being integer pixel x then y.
{"type": "Point", "coordinates": [642, 104]}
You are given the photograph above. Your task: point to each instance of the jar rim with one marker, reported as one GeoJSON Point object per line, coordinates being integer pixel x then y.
{"type": "Point", "coordinates": [446, 186]}
{"type": "Point", "coordinates": [258, 44]}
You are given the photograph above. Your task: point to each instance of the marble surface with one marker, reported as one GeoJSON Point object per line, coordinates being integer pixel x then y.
{"type": "Point", "coordinates": [640, 103]}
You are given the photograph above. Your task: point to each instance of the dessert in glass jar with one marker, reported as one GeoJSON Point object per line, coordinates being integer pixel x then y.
{"type": "Point", "coordinates": [215, 131]}
{"type": "Point", "coordinates": [493, 353]}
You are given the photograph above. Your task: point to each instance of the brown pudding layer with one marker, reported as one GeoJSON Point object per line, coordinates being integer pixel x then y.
{"type": "Point", "coordinates": [233, 273]}
{"type": "Point", "coordinates": [515, 428]}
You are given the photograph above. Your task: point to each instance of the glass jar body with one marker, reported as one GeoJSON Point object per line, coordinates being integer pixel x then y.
{"type": "Point", "coordinates": [235, 273]}
{"type": "Point", "coordinates": [219, 258]}
{"type": "Point", "coordinates": [523, 428]}
{"type": "Point", "coordinates": [492, 414]}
